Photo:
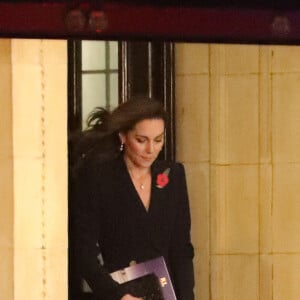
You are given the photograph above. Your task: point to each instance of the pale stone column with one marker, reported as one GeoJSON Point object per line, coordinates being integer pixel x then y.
{"type": "Point", "coordinates": [192, 149]}
{"type": "Point", "coordinates": [6, 174]}
{"type": "Point", "coordinates": [39, 85]}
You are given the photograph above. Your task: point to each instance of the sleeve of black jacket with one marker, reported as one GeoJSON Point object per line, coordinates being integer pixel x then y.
{"type": "Point", "coordinates": [86, 211]}
{"type": "Point", "coordinates": [181, 249]}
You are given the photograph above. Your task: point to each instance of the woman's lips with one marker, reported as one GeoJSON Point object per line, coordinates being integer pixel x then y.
{"type": "Point", "coordinates": [147, 158]}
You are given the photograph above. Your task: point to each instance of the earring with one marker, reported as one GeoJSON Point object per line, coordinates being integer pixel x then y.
{"type": "Point", "coordinates": [121, 147]}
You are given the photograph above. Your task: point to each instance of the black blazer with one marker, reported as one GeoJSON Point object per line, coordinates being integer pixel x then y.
{"type": "Point", "coordinates": [110, 219]}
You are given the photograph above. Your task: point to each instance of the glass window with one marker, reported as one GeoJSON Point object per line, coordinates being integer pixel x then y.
{"type": "Point", "coordinates": [93, 93]}
{"type": "Point", "coordinates": [93, 55]}
{"type": "Point", "coordinates": [99, 76]}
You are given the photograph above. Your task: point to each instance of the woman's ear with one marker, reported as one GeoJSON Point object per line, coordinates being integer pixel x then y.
{"type": "Point", "coordinates": [121, 137]}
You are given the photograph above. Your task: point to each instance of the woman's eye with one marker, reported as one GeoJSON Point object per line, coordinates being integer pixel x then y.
{"type": "Point", "coordinates": [159, 139]}
{"type": "Point", "coordinates": [141, 140]}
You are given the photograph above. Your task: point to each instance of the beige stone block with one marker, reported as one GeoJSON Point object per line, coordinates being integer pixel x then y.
{"type": "Point", "coordinates": [55, 116]}
{"type": "Point", "coordinates": [202, 274]}
{"type": "Point", "coordinates": [40, 75]}
{"type": "Point", "coordinates": [265, 208]}
{"type": "Point", "coordinates": [265, 59]}
{"type": "Point", "coordinates": [29, 203]}
{"type": "Point", "coordinates": [234, 277]}
{"type": "Point", "coordinates": [27, 109]}
{"type": "Point", "coordinates": [234, 119]}
{"type": "Point", "coordinates": [6, 203]}
{"type": "Point", "coordinates": [265, 118]}
{"type": "Point", "coordinates": [55, 53]}
{"type": "Point", "coordinates": [6, 138]}
{"type": "Point", "coordinates": [44, 82]}
{"type": "Point", "coordinates": [266, 277]}
{"type": "Point", "coordinates": [286, 277]}
{"type": "Point", "coordinates": [191, 58]}
{"type": "Point", "coordinates": [29, 274]}
{"type": "Point", "coordinates": [286, 208]}
{"type": "Point", "coordinates": [285, 59]}
{"type": "Point", "coordinates": [55, 100]}
{"type": "Point", "coordinates": [6, 228]}
{"type": "Point", "coordinates": [55, 81]}
{"type": "Point", "coordinates": [192, 114]}
{"type": "Point", "coordinates": [26, 51]}
{"type": "Point", "coordinates": [234, 209]}
{"type": "Point", "coordinates": [5, 51]}
{"type": "Point", "coordinates": [234, 59]}
{"type": "Point", "coordinates": [6, 273]}
{"type": "Point", "coordinates": [55, 218]}
{"type": "Point", "coordinates": [5, 100]}
{"type": "Point", "coordinates": [197, 175]}
{"type": "Point", "coordinates": [286, 118]}
{"type": "Point", "coordinates": [56, 283]}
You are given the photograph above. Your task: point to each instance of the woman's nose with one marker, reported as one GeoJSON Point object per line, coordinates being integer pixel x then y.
{"type": "Point", "coordinates": [150, 147]}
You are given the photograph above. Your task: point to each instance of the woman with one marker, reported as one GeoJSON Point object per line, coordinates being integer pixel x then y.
{"type": "Point", "coordinates": [130, 205]}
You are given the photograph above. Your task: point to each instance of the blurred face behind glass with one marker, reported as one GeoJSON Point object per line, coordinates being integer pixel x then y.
{"type": "Point", "coordinates": [144, 142]}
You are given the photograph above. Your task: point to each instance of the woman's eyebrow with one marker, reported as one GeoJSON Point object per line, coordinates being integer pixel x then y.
{"type": "Point", "coordinates": [160, 135]}
{"type": "Point", "coordinates": [146, 137]}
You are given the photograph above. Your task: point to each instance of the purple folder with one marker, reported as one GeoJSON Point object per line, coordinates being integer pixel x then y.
{"type": "Point", "coordinates": [157, 267]}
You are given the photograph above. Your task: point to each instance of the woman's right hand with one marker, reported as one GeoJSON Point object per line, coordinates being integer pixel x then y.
{"type": "Point", "coordinates": [129, 297]}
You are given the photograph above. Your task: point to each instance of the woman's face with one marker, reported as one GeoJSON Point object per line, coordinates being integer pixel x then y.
{"type": "Point", "coordinates": [144, 142]}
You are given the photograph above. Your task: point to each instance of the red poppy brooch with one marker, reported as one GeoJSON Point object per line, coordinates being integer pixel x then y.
{"type": "Point", "coordinates": [162, 179]}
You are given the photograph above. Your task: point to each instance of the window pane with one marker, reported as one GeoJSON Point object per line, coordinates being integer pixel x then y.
{"type": "Point", "coordinates": [113, 53]}
{"type": "Point", "coordinates": [114, 90]}
{"type": "Point", "coordinates": [93, 94]}
{"type": "Point", "coordinates": [93, 55]}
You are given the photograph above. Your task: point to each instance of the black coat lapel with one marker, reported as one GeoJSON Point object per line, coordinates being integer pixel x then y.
{"type": "Point", "coordinates": [126, 188]}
